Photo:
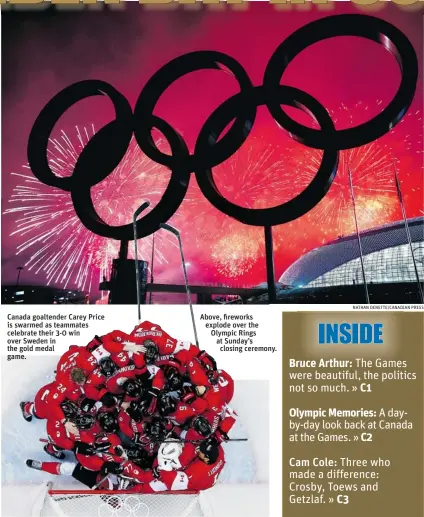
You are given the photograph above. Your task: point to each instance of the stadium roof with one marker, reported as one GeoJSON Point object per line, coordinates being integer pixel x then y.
{"type": "Point", "coordinates": [335, 253]}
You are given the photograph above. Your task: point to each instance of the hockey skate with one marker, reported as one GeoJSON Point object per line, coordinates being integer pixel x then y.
{"type": "Point", "coordinates": [25, 410]}
{"type": "Point", "coordinates": [34, 464]}
{"type": "Point", "coordinates": [52, 450]}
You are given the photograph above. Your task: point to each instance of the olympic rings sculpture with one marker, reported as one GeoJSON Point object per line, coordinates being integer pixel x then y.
{"type": "Point", "coordinates": [107, 147]}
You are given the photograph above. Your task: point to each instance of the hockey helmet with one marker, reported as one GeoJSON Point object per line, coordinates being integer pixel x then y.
{"type": "Point", "coordinates": [155, 429]}
{"type": "Point", "coordinates": [201, 426]}
{"type": "Point", "coordinates": [152, 351]}
{"type": "Point", "coordinates": [167, 404]}
{"type": "Point", "coordinates": [137, 455]}
{"type": "Point", "coordinates": [84, 422]}
{"type": "Point", "coordinates": [213, 377]}
{"type": "Point", "coordinates": [168, 456]}
{"type": "Point", "coordinates": [108, 421]}
{"type": "Point", "coordinates": [69, 409]}
{"type": "Point", "coordinates": [209, 451]}
{"type": "Point", "coordinates": [207, 361]}
{"type": "Point", "coordinates": [135, 410]}
{"type": "Point", "coordinates": [107, 367]}
{"type": "Point", "coordinates": [132, 388]}
{"type": "Point", "coordinates": [173, 378]}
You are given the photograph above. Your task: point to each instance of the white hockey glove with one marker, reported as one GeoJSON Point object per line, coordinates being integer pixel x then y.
{"type": "Point", "coordinates": [71, 428]}
{"type": "Point", "coordinates": [133, 347]}
{"type": "Point", "coordinates": [120, 451]}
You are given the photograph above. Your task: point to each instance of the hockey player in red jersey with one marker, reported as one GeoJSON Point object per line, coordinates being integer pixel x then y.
{"type": "Point", "coordinates": [192, 468]}
{"type": "Point", "coordinates": [200, 469]}
{"type": "Point", "coordinates": [210, 401]}
{"type": "Point", "coordinates": [225, 383]}
{"type": "Point", "coordinates": [130, 420]}
{"type": "Point", "coordinates": [190, 405]}
{"type": "Point", "coordinates": [88, 358]}
{"type": "Point", "coordinates": [101, 438]}
{"type": "Point", "coordinates": [166, 344]}
{"type": "Point", "coordinates": [75, 357]}
{"type": "Point", "coordinates": [88, 431]}
{"type": "Point", "coordinates": [94, 443]}
{"type": "Point", "coordinates": [115, 383]}
{"type": "Point", "coordinates": [113, 343]}
{"type": "Point", "coordinates": [204, 372]}
{"type": "Point", "coordinates": [197, 429]}
{"type": "Point", "coordinates": [95, 386]}
{"type": "Point", "coordinates": [48, 400]}
{"type": "Point", "coordinates": [218, 391]}
{"type": "Point", "coordinates": [41, 406]}
{"type": "Point", "coordinates": [59, 438]}
{"type": "Point", "coordinates": [185, 364]}
{"type": "Point", "coordinates": [144, 432]}
{"type": "Point", "coordinates": [198, 473]}
{"type": "Point", "coordinates": [181, 411]}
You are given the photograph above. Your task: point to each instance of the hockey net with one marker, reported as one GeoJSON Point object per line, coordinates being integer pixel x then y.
{"type": "Point", "coordinates": [99, 503]}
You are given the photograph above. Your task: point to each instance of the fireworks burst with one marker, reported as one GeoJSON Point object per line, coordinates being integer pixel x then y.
{"type": "Point", "coordinates": [372, 171]}
{"type": "Point", "coordinates": [235, 254]}
{"type": "Point", "coordinates": [256, 176]}
{"type": "Point", "coordinates": [57, 243]}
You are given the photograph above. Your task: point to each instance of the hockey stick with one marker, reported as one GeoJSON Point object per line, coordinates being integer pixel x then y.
{"type": "Point", "coordinates": [140, 209]}
{"type": "Point", "coordinates": [100, 482]}
{"type": "Point", "coordinates": [174, 231]}
{"type": "Point", "coordinates": [180, 441]}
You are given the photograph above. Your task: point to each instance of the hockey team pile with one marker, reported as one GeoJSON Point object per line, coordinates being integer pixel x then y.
{"type": "Point", "coordinates": [140, 412]}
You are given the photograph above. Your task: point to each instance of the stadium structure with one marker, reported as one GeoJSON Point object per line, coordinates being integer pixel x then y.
{"type": "Point", "coordinates": [386, 252]}
{"type": "Point", "coordinates": [333, 273]}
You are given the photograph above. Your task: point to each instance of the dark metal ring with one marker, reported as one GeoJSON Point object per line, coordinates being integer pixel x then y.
{"type": "Point", "coordinates": [163, 211]}
{"type": "Point", "coordinates": [112, 140]}
{"type": "Point", "coordinates": [158, 84]}
{"type": "Point", "coordinates": [367, 27]}
{"type": "Point", "coordinates": [303, 202]}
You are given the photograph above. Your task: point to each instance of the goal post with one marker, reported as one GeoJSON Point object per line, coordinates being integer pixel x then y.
{"type": "Point", "coordinates": [108, 503]}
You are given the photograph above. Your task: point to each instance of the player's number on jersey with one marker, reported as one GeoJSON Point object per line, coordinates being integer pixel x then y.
{"type": "Point", "coordinates": [70, 362]}
{"type": "Point", "coordinates": [44, 395]}
{"type": "Point", "coordinates": [222, 382]}
{"type": "Point", "coordinates": [60, 388]}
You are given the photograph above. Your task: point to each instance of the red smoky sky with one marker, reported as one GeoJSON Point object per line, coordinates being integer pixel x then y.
{"type": "Point", "coordinates": [43, 52]}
